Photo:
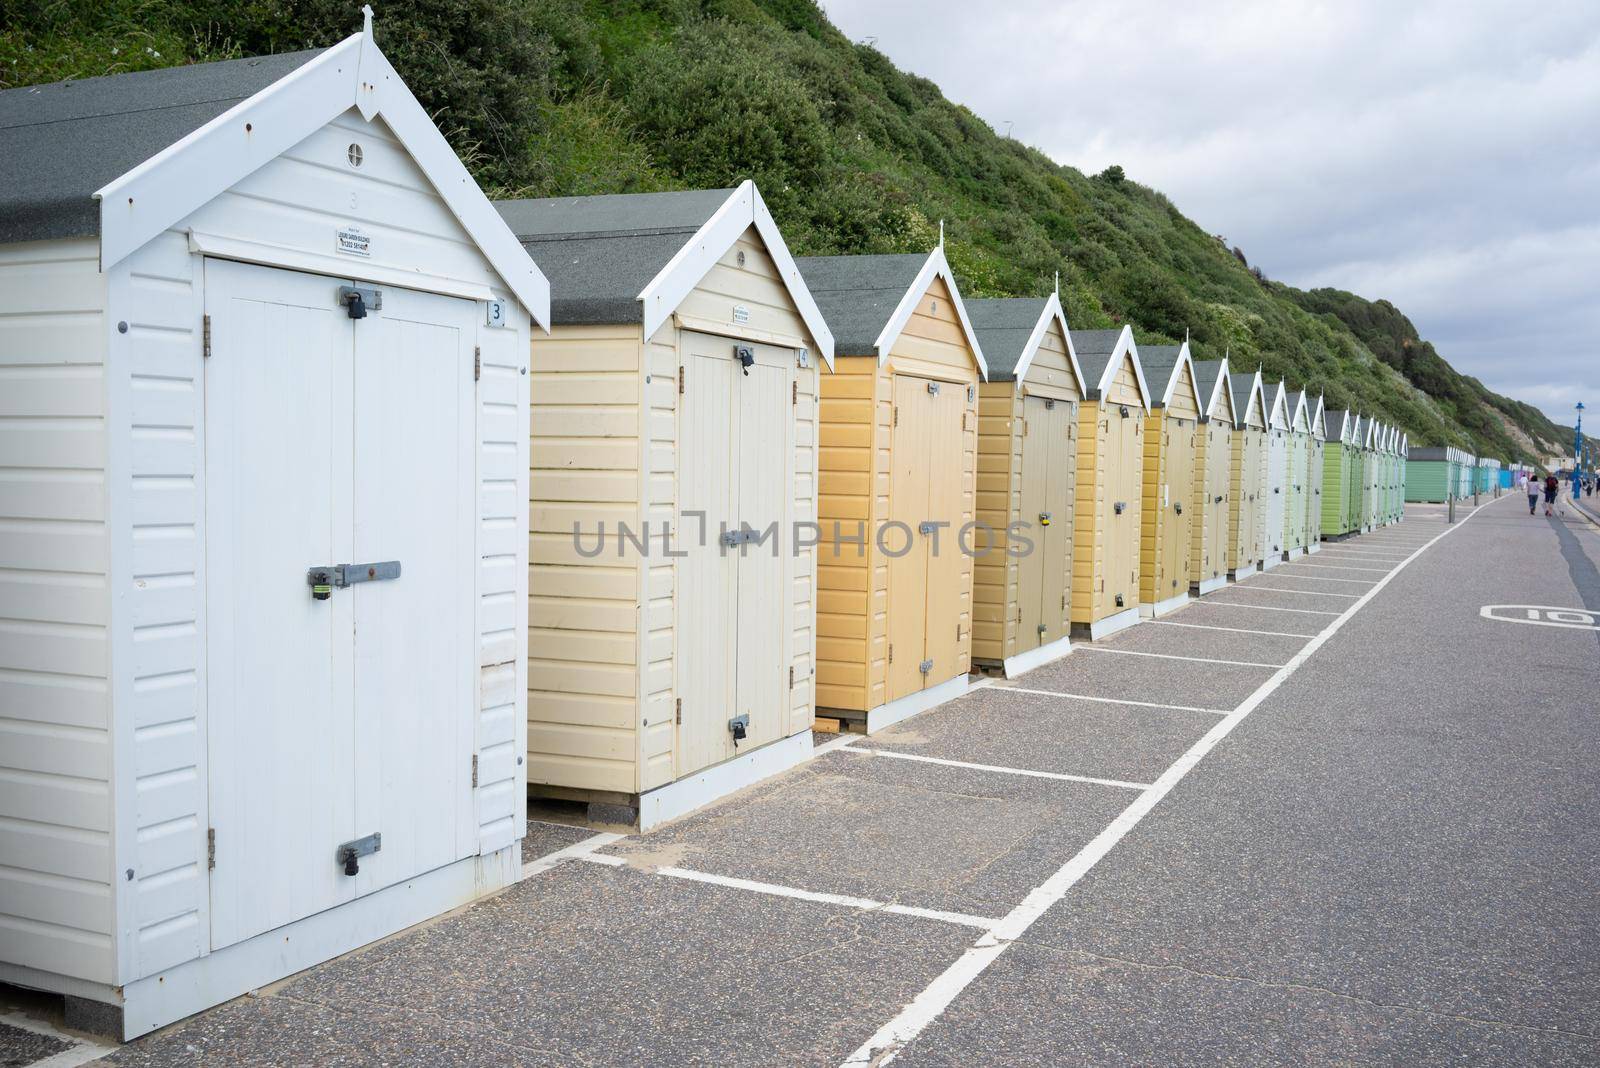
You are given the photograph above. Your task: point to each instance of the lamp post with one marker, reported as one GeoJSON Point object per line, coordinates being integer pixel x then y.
{"type": "Point", "coordinates": [1577, 456]}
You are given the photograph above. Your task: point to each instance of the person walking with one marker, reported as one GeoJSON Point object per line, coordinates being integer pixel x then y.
{"type": "Point", "coordinates": [1552, 486]}
{"type": "Point", "coordinates": [1531, 488]}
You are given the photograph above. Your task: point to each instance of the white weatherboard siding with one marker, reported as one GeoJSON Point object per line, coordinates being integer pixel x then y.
{"type": "Point", "coordinates": [56, 904]}
{"type": "Point", "coordinates": [103, 746]}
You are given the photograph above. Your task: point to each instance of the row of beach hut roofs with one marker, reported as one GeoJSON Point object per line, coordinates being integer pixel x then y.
{"type": "Point", "coordinates": [344, 509]}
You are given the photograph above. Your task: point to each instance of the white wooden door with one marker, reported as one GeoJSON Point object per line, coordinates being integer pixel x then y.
{"type": "Point", "coordinates": [734, 623]}
{"type": "Point", "coordinates": [335, 441]}
{"type": "Point", "coordinates": [280, 717]}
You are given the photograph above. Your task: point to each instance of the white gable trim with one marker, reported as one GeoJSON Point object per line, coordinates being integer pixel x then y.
{"type": "Point", "coordinates": [1278, 407]}
{"type": "Point", "coordinates": [936, 266]}
{"type": "Point", "coordinates": [1219, 393]}
{"type": "Point", "coordinates": [1256, 390]}
{"type": "Point", "coordinates": [1172, 379]}
{"type": "Point", "coordinates": [1299, 409]}
{"type": "Point", "coordinates": [194, 170]}
{"type": "Point", "coordinates": [1052, 313]}
{"type": "Point", "coordinates": [743, 209]}
{"type": "Point", "coordinates": [1124, 347]}
{"type": "Point", "coordinates": [1319, 421]}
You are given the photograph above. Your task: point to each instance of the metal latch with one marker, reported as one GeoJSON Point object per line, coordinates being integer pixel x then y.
{"type": "Point", "coordinates": [740, 726]}
{"type": "Point", "coordinates": [927, 526]}
{"type": "Point", "coordinates": [730, 538]}
{"type": "Point", "coordinates": [1044, 519]}
{"type": "Point", "coordinates": [358, 300]}
{"type": "Point", "coordinates": [325, 579]}
{"type": "Point", "coordinates": [348, 853]}
{"type": "Point", "coordinates": [925, 667]}
{"type": "Point", "coordinates": [933, 388]}
{"type": "Point", "coordinates": [1179, 506]}
{"type": "Point", "coordinates": [1120, 505]}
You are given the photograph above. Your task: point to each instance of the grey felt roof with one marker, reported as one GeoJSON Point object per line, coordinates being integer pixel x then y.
{"type": "Point", "coordinates": [1205, 377]}
{"type": "Point", "coordinates": [1294, 404]}
{"type": "Point", "coordinates": [1336, 422]}
{"type": "Point", "coordinates": [61, 142]}
{"type": "Point", "coordinates": [1239, 386]}
{"type": "Point", "coordinates": [1158, 362]}
{"type": "Point", "coordinates": [858, 294]}
{"type": "Point", "coordinates": [1429, 452]}
{"type": "Point", "coordinates": [600, 252]}
{"type": "Point", "coordinates": [1003, 326]}
{"type": "Point", "coordinates": [1094, 349]}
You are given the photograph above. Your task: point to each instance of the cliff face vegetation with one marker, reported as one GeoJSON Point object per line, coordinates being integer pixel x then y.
{"type": "Point", "coordinates": [567, 97]}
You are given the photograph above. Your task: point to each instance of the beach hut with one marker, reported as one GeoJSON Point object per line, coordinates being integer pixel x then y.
{"type": "Point", "coordinates": [1367, 506]}
{"type": "Point", "coordinates": [1296, 483]}
{"type": "Point", "coordinates": [1429, 473]}
{"type": "Point", "coordinates": [1274, 494]}
{"type": "Point", "coordinates": [1027, 476]}
{"type": "Point", "coordinates": [1213, 464]}
{"type": "Point", "coordinates": [899, 453]}
{"type": "Point", "coordinates": [1466, 464]}
{"type": "Point", "coordinates": [1247, 476]}
{"type": "Point", "coordinates": [1315, 444]}
{"type": "Point", "coordinates": [1397, 507]}
{"type": "Point", "coordinates": [1167, 513]}
{"type": "Point", "coordinates": [674, 432]}
{"type": "Point", "coordinates": [263, 344]}
{"type": "Point", "coordinates": [1339, 474]}
{"type": "Point", "coordinates": [1106, 514]}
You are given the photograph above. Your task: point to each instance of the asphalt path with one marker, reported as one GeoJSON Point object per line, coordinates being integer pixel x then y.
{"type": "Point", "coordinates": [1330, 814]}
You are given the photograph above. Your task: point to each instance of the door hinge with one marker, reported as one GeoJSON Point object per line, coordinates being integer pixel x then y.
{"type": "Point", "coordinates": [474, 769]}
{"type": "Point", "coordinates": [794, 392]}
{"type": "Point", "coordinates": [205, 336]}
{"type": "Point", "coordinates": [791, 676]}
{"type": "Point", "coordinates": [477, 363]}
{"type": "Point", "coordinates": [211, 848]}
{"type": "Point", "coordinates": [891, 652]}
{"type": "Point", "coordinates": [896, 421]}
{"type": "Point", "coordinates": [677, 711]}
{"type": "Point", "coordinates": [958, 633]}
{"type": "Point", "coordinates": [680, 380]}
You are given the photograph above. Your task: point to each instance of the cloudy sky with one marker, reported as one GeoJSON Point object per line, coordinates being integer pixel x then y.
{"type": "Point", "coordinates": [1442, 155]}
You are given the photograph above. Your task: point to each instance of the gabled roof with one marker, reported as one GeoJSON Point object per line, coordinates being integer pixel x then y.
{"type": "Point", "coordinates": [633, 257]}
{"type": "Point", "coordinates": [1245, 388]}
{"type": "Point", "coordinates": [1163, 365]}
{"type": "Point", "coordinates": [153, 146]}
{"type": "Point", "coordinates": [1011, 330]}
{"type": "Point", "coordinates": [1277, 404]}
{"type": "Point", "coordinates": [1100, 352]}
{"type": "Point", "coordinates": [1211, 379]}
{"type": "Point", "coordinates": [868, 300]}
{"type": "Point", "coordinates": [1319, 428]}
{"type": "Point", "coordinates": [1297, 406]}
{"type": "Point", "coordinates": [1430, 452]}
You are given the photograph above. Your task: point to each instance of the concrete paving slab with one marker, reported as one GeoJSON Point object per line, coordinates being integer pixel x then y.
{"type": "Point", "coordinates": [591, 966]}
{"type": "Point", "coordinates": [19, 1047]}
{"type": "Point", "coordinates": [1046, 1007]}
{"type": "Point", "coordinates": [1040, 733]}
{"type": "Point", "coordinates": [1143, 678]}
{"type": "Point", "coordinates": [542, 839]}
{"type": "Point", "coordinates": [897, 831]}
{"type": "Point", "coordinates": [1174, 637]}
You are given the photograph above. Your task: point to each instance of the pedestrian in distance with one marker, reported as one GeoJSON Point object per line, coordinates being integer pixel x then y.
{"type": "Point", "coordinates": [1532, 489]}
{"type": "Point", "coordinates": [1552, 486]}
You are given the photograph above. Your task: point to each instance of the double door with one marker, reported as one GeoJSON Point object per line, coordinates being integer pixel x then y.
{"type": "Point", "coordinates": [341, 713]}
{"type": "Point", "coordinates": [920, 537]}
{"type": "Point", "coordinates": [1177, 505]}
{"type": "Point", "coordinates": [1215, 501]}
{"type": "Point", "coordinates": [1124, 477]}
{"type": "Point", "coordinates": [734, 627]}
{"type": "Point", "coordinates": [1049, 479]}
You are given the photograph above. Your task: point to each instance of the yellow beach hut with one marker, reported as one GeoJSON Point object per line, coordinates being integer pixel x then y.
{"type": "Point", "coordinates": [1213, 465]}
{"type": "Point", "coordinates": [1167, 519]}
{"type": "Point", "coordinates": [1248, 475]}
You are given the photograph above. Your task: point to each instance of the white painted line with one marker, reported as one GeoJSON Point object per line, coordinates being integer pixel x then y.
{"type": "Point", "coordinates": [1375, 551]}
{"type": "Point", "coordinates": [929, 1005]}
{"type": "Point", "coordinates": [1234, 603]}
{"type": "Point", "coordinates": [836, 743]}
{"type": "Point", "coordinates": [576, 851]}
{"type": "Point", "coordinates": [1341, 567]}
{"type": "Point", "coordinates": [1111, 700]}
{"type": "Point", "coordinates": [82, 1051]}
{"type": "Point", "coordinates": [1252, 588]}
{"type": "Point", "coordinates": [1121, 784]}
{"type": "Point", "coordinates": [1174, 656]}
{"type": "Point", "coordinates": [1232, 630]}
{"type": "Point", "coordinates": [863, 904]}
{"type": "Point", "coordinates": [1328, 578]}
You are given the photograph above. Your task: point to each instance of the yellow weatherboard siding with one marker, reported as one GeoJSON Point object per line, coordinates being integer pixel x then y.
{"type": "Point", "coordinates": [1246, 479]}
{"type": "Point", "coordinates": [606, 448]}
{"type": "Point", "coordinates": [858, 437]}
{"type": "Point", "coordinates": [1004, 437]}
{"type": "Point", "coordinates": [1105, 545]}
{"type": "Point", "coordinates": [1166, 533]}
{"type": "Point", "coordinates": [1213, 463]}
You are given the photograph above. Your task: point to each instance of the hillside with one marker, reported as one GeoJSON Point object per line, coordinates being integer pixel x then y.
{"type": "Point", "coordinates": [552, 97]}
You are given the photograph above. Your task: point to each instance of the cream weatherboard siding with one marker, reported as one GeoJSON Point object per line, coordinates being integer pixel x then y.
{"type": "Point", "coordinates": [604, 646]}
{"type": "Point", "coordinates": [1105, 544]}
{"type": "Point", "coordinates": [57, 910]}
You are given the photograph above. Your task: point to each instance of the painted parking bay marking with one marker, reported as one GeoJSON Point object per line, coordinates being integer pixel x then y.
{"type": "Point", "coordinates": [1538, 615]}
